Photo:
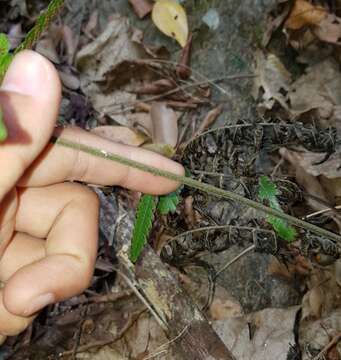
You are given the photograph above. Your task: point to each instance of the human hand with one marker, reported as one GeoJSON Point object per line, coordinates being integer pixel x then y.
{"type": "Point", "coordinates": [48, 226]}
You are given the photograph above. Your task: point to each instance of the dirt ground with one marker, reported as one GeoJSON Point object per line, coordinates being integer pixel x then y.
{"type": "Point", "coordinates": [263, 98]}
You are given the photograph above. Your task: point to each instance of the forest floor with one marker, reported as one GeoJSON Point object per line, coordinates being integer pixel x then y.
{"type": "Point", "coordinates": [261, 96]}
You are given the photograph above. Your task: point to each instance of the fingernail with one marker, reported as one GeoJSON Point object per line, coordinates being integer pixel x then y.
{"type": "Point", "coordinates": [38, 303]}
{"type": "Point", "coordinates": [27, 74]}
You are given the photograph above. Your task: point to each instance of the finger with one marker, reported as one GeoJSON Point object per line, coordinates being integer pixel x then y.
{"type": "Point", "coordinates": [11, 324]}
{"type": "Point", "coordinates": [8, 210]}
{"type": "Point", "coordinates": [22, 250]}
{"type": "Point", "coordinates": [67, 214]}
{"type": "Point", "coordinates": [2, 339]}
{"type": "Point", "coordinates": [58, 164]}
{"type": "Point", "coordinates": [29, 97]}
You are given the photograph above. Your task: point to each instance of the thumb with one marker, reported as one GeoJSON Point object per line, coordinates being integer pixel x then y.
{"type": "Point", "coordinates": [29, 98]}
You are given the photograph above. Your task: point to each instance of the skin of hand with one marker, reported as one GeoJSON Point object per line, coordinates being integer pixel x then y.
{"type": "Point", "coordinates": [49, 225]}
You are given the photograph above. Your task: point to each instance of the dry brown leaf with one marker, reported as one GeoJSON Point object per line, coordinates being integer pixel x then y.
{"type": "Point", "coordinates": [70, 40]}
{"type": "Point", "coordinates": [269, 341]}
{"type": "Point", "coordinates": [316, 334]}
{"type": "Point", "coordinates": [69, 80]}
{"type": "Point", "coordinates": [318, 89]}
{"type": "Point", "coordinates": [164, 124]}
{"type": "Point", "coordinates": [304, 13]}
{"type": "Point", "coordinates": [108, 66]}
{"type": "Point", "coordinates": [311, 184]}
{"type": "Point", "coordinates": [299, 266]}
{"type": "Point", "coordinates": [209, 119]}
{"type": "Point", "coordinates": [120, 134]}
{"type": "Point", "coordinates": [92, 23]}
{"type": "Point", "coordinates": [273, 78]}
{"type": "Point", "coordinates": [183, 69]}
{"type": "Point", "coordinates": [154, 88]}
{"type": "Point", "coordinates": [141, 7]}
{"type": "Point", "coordinates": [224, 308]}
{"type": "Point", "coordinates": [329, 29]}
{"type": "Point", "coordinates": [47, 48]}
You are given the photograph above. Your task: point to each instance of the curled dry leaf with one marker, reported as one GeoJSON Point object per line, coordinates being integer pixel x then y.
{"type": "Point", "coordinates": [141, 7]}
{"type": "Point", "coordinates": [120, 134]}
{"type": "Point", "coordinates": [209, 119]}
{"type": "Point", "coordinates": [183, 69]}
{"type": "Point", "coordinates": [303, 14]}
{"type": "Point", "coordinates": [164, 124]}
{"type": "Point", "coordinates": [171, 19]}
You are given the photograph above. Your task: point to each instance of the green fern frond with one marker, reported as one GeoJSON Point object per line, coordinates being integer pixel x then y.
{"type": "Point", "coordinates": [268, 191]}
{"type": "Point", "coordinates": [41, 25]}
{"type": "Point", "coordinates": [168, 203]}
{"type": "Point", "coordinates": [142, 225]}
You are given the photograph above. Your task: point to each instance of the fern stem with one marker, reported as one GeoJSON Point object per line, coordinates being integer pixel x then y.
{"type": "Point", "coordinates": [209, 189]}
{"type": "Point", "coordinates": [41, 24]}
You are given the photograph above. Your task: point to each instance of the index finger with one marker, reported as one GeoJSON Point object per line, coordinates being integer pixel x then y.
{"type": "Point", "coordinates": [58, 164]}
{"type": "Point", "coordinates": [29, 98]}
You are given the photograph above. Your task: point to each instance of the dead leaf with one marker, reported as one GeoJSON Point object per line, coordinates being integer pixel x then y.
{"type": "Point", "coordinates": [319, 89]}
{"type": "Point", "coordinates": [329, 29]}
{"type": "Point", "coordinates": [15, 35]}
{"type": "Point", "coordinates": [268, 341]}
{"type": "Point", "coordinates": [165, 124]}
{"type": "Point", "coordinates": [47, 48]}
{"type": "Point", "coordinates": [273, 79]}
{"type": "Point", "coordinates": [183, 69]}
{"type": "Point", "coordinates": [316, 333]}
{"type": "Point", "coordinates": [70, 40]}
{"type": "Point", "coordinates": [224, 306]}
{"type": "Point", "coordinates": [154, 88]}
{"type": "Point", "coordinates": [299, 266]}
{"type": "Point", "coordinates": [120, 134]}
{"type": "Point", "coordinates": [141, 7]}
{"type": "Point", "coordinates": [209, 119]}
{"type": "Point", "coordinates": [311, 184]}
{"type": "Point", "coordinates": [304, 13]}
{"type": "Point", "coordinates": [69, 80]}
{"type": "Point", "coordinates": [108, 66]}
{"type": "Point", "coordinates": [91, 25]}
{"type": "Point", "coordinates": [171, 19]}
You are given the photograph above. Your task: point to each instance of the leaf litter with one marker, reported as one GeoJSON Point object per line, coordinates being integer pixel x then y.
{"type": "Point", "coordinates": [118, 76]}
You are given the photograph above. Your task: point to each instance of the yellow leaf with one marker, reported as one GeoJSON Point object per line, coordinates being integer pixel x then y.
{"type": "Point", "coordinates": [304, 13]}
{"type": "Point", "coordinates": [171, 19]}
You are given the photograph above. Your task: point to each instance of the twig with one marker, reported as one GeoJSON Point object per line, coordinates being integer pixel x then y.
{"type": "Point", "coordinates": [209, 189]}
{"type": "Point", "coordinates": [244, 252]}
{"type": "Point", "coordinates": [177, 89]}
{"type": "Point", "coordinates": [136, 289]}
{"type": "Point", "coordinates": [102, 343]}
{"type": "Point", "coordinates": [158, 351]}
{"type": "Point", "coordinates": [333, 342]}
{"type": "Point", "coordinates": [338, 207]}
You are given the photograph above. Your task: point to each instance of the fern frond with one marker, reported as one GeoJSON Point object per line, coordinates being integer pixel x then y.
{"type": "Point", "coordinates": [41, 25]}
{"type": "Point", "coordinates": [142, 225]}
